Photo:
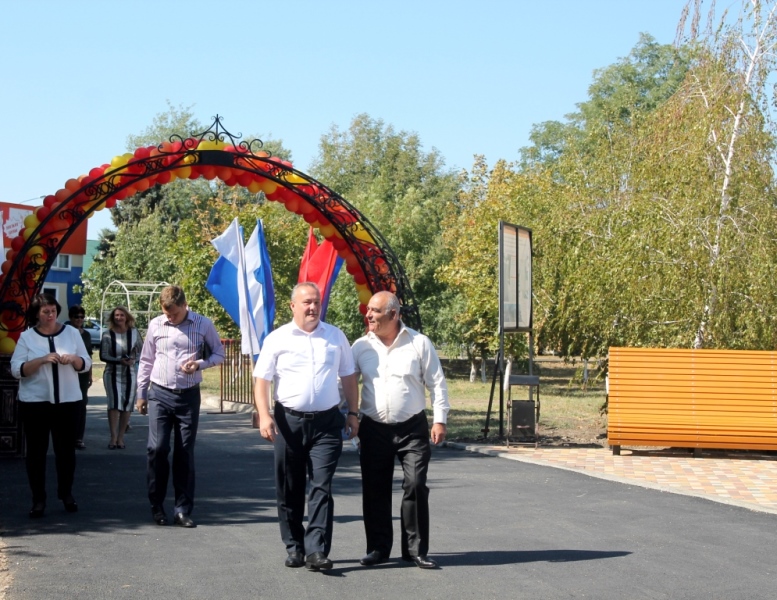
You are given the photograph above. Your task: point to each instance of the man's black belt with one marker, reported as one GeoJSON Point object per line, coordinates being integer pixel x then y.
{"type": "Point", "coordinates": [177, 392]}
{"type": "Point", "coordinates": [306, 415]}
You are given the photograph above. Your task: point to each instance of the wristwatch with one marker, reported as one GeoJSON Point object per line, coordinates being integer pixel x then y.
{"type": "Point", "coordinates": [353, 414]}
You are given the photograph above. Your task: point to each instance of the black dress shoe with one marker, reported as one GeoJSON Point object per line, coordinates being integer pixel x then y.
{"type": "Point", "coordinates": [422, 562]}
{"type": "Point", "coordinates": [159, 516]}
{"type": "Point", "coordinates": [295, 560]}
{"type": "Point", "coordinates": [376, 557]}
{"type": "Point", "coordinates": [317, 562]}
{"type": "Point", "coordinates": [37, 510]}
{"type": "Point", "coordinates": [70, 504]}
{"type": "Point", "coordinates": [183, 520]}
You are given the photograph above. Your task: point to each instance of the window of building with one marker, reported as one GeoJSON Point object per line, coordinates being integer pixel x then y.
{"type": "Point", "coordinates": [61, 262]}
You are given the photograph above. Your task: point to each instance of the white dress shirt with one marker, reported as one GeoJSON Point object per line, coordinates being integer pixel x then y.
{"type": "Point", "coordinates": [395, 378]}
{"type": "Point", "coordinates": [305, 366]}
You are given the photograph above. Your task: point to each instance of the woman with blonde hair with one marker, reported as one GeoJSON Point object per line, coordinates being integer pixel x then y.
{"type": "Point", "coordinates": [119, 348]}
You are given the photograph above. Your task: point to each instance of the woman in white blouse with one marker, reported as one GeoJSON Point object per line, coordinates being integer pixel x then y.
{"type": "Point", "coordinates": [47, 360]}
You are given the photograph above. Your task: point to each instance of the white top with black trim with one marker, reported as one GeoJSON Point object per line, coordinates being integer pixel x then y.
{"type": "Point", "coordinates": [53, 383]}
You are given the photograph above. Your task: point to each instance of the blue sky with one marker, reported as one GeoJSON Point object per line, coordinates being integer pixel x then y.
{"type": "Point", "coordinates": [78, 77]}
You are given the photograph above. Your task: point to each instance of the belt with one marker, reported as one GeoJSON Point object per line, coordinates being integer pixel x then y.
{"type": "Point", "coordinates": [178, 392]}
{"type": "Point", "coordinates": [306, 415]}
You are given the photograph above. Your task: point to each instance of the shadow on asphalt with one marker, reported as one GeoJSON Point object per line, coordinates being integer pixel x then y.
{"type": "Point", "coordinates": [235, 483]}
{"type": "Point", "coordinates": [514, 557]}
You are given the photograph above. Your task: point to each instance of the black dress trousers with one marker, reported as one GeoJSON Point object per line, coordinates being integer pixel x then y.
{"type": "Point", "coordinates": [173, 413]}
{"type": "Point", "coordinates": [41, 420]}
{"type": "Point", "coordinates": [307, 447]}
{"type": "Point", "coordinates": [381, 445]}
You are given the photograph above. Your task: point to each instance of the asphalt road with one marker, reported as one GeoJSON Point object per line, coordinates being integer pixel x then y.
{"type": "Point", "coordinates": [500, 529]}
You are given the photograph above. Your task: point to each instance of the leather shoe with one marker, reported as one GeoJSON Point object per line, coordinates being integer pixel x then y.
{"type": "Point", "coordinates": [422, 562]}
{"type": "Point", "coordinates": [318, 561]}
{"type": "Point", "coordinates": [295, 560]}
{"type": "Point", "coordinates": [375, 557]}
{"type": "Point", "coordinates": [183, 520]}
{"type": "Point", "coordinates": [37, 510]}
{"type": "Point", "coordinates": [70, 504]}
{"type": "Point", "coordinates": [159, 516]}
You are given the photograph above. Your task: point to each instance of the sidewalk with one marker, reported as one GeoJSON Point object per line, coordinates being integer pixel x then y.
{"type": "Point", "coordinates": [499, 528]}
{"type": "Point", "coordinates": [748, 481]}
{"type": "Point", "coordinates": [744, 480]}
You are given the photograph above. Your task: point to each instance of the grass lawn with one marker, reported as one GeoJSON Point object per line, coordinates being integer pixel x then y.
{"type": "Point", "coordinates": [569, 411]}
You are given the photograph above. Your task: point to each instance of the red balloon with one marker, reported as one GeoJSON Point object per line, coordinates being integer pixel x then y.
{"type": "Point", "coordinates": [339, 243]}
{"type": "Point", "coordinates": [363, 309]}
{"type": "Point", "coordinates": [164, 177]}
{"type": "Point", "coordinates": [311, 216]}
{"type": "Point", "coordinates": [49, 200]}
{"type": "Point", "coordinates": [141, 153]}
{"type": "Point", "coordinates": [17, 243]}
{"type": "Point", "coordinates": [42, 212]}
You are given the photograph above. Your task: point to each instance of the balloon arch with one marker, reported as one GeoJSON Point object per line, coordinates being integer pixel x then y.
{"type": "Point", "coordinates": [214, 153]}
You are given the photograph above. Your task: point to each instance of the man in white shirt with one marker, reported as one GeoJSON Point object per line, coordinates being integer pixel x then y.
{"type": "Point", "coordinates": [397, 365]}
{"type": "Point", "coordinates": [303, 360]}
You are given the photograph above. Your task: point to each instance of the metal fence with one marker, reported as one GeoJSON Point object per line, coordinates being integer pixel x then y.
{"type": "Point", "coordinates": [236, 374]}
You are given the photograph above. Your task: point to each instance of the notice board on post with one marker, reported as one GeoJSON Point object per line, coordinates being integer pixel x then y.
{"type": "Point", "coordinates": [515, 292]}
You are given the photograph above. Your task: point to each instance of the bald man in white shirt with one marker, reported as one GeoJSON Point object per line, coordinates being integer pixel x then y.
{"type": "Point", "coordinates": [397, 365]}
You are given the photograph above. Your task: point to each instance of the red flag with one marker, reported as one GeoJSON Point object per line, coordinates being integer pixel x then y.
{"type": "Point", "coordinates": [320, 265]}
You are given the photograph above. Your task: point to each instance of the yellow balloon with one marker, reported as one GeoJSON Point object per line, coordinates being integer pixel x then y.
{"type": "Point", "coordinates": [183, 172]}
{"type": "Point", "coordinates": [7, 345]}
{"type": "Point", "coordinates": [36, 250]}
{"type": "Point", "coordinates": [327, 230]}
{"type": "Point", "coordinates": [294, 178]}
{"type": "Point", "coordinates": [364, 296]}
{"type": "Point", "coordinates": [31, 221]}
{"type": "Point", "coordinates": [119, 161]}
{"type": "Point", "coordinates": [211, 145]}
{"type": "Point", "coordinates": [254, 187]}
{"type": "Point", "coordinates": [268, 187]}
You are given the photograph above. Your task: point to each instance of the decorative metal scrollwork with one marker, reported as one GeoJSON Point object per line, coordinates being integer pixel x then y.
{"type": "Point", "coordinates": [213, 152]}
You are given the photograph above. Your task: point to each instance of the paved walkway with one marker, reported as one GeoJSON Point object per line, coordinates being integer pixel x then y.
{"type": "Point", "coordinates": [749, 481]}
{"type": "Point", "coordinates": [499, 528]}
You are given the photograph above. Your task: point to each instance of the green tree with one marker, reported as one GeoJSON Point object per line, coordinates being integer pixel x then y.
{"type": "Point", "coordinates": [406, 193]}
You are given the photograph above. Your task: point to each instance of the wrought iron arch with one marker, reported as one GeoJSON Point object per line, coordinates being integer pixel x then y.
{"type": "Point", "coordinates": [212, 153]}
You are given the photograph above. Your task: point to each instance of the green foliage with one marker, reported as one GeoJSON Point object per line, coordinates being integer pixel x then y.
{"type": "Point", "coordinates": [405, 193]}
